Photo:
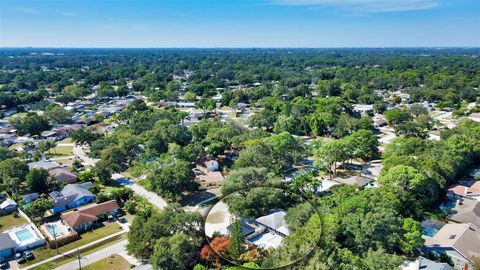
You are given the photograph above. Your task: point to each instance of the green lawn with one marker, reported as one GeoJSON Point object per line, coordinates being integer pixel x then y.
{"type": "Point", "coordinates": [85, 238]}
{"type": "Point", "coordinates": [83, 252]}
{"type": "Point", "coordinates": [8, 221]}
{"type": "Point", "coordinates": [66, 140]}
{"type": "Point", "coordinates": [59, 151]}
{"type": "Point", "coordinates": [15, 115]}
{"type": "Point", "coordinates": [114, 262]}
{"type": "Point", "coordinates": [13, 146]}
{"type": "Point", "coordinates": [66, 162]}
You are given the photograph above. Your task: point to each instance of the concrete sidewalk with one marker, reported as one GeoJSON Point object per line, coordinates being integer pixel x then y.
{"type": "Point", "coordinates": [72, 251]}
{"type": "Point", "coordinates": [117, 248]}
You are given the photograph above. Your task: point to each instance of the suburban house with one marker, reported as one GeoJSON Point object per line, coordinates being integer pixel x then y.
{"type": "Point", "coordinates": [379, 121]}
{"type": "Point", "coordinates": [6, 245]}
{"type": "Point", "coordinates": [8, 206]}
{"type": "Point", "coordinates": [461, 242]}
{"type": "Point", "coordinates": [210, 165]}
{"type": "Point", "coordinates": [71, 196]}
{"type": "Point", "coordinates": [20, 238]}
{"type": "Point", "coordinates": [472, 192]}
{"type": "Point", "coordinates": [30, 197]}
{"type": "Point", "coordinates": [250, 230]}
{"type": "Point", "coordinates": [274, 222]}
{"type": "Point", "coordinates": [85, 121]}
{"type": "Point", "coordinates": [466, 211]}
{"type": "Point", "coordinates": [247, 229]}
{"type": "Point", "coordinates": [360, 181]}
{"type": "Point", "coordinates": [63, 131]}
{"type": "Point", "coordinates": [46, 165]}
{"type": "Point", "coordinates": [211, 179]}
{"type": "Point", "coordinates": [62, 176]}
{"type": "Point", "coordinates": [424, 264]}
{"type": "Point", "coordinates": [49, 135]}
{"type": "Point", "coordinates": [83, 218]}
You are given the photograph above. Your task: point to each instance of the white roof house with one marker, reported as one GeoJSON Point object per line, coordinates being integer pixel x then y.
{"type": "Point", "coordinates": [275, 221]}
{"type": "Point", "coordinates": [8, 203]}
{"type": "Point", "coordinates": [424, 264]}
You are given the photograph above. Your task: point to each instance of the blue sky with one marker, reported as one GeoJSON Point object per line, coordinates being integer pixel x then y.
{"type": "Point", "coordinates": [239, 23]}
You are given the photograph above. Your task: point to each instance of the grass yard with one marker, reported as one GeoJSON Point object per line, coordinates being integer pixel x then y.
{"type": "Point", "coordinates": [114, 262]}
{"type": "Point", "coordinates": [61, 151]}
{"type": "Point", "coordinates": [14, 146]}
{"type": "Point", "coordinates": [129, 217]}
{"type": "Point", "coordinates": [8, 221]}
{"type": "Point", "coordinates": [64, 161]}
{"type": "Point", "coordinates": [66, 140]}
{"type": "Point", "coordinates": [193, 198]}
{"type": "Point", "coordinates": [20, 114]}
{"type": "Point", "coordinates": [83, 252]}
{"type": "Point", "coordinates": [85, 238]}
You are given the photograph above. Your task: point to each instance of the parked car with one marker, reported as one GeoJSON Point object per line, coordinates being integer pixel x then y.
{"type": "Point", "coordinates": [19, 257]}
{"type": "Point", "coordinates": [122, 220]}
{"type": "Point", "coordinates": [3, 263]}
{"type": "Point", "coordinates": [28, 255]}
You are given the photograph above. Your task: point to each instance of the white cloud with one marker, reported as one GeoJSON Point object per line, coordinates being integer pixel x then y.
{"type": "Point", "coordinates": [28, 10]}
{"type": "Point", "coordinates": [366, 6]}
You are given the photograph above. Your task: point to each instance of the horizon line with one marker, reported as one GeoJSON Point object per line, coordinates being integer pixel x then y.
{"type": "Point", "coordinates": [253, 47]}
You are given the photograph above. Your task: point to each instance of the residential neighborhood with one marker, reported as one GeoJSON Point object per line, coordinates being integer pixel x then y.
{"type": "Point", "coordinates": [302, 159]}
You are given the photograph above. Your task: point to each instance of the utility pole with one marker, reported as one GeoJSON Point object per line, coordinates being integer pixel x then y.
{"type": "Point", "coordinates": [55, 238]}
{"type": "Point", "coordinates": [79, 262]}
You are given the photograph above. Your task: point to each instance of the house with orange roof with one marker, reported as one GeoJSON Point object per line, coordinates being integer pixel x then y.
{"type": "Point", "coordinates": [462, 191]}
{"type": "Point", "coordinates": [83, 218]}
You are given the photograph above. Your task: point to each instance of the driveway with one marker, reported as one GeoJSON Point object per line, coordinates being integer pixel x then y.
{"type": "Point", "coordinates": [78, 152]}
{"type": "Point", "coordinates": [138, 189]}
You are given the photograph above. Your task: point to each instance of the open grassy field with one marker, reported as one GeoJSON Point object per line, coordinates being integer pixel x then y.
{"type": "Point", "coordinates": [85, 238]}
{"type": "Point", "coordinates": [8, 221]}
{"type": "Point", "coordinates": [114, 262]}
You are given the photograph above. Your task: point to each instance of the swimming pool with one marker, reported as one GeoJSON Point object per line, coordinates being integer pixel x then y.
{"type": "Point", "coordinates": [54, 230]}
{"type": "Point", "coordinates": [429, 231]}
{"type": "Point", "coordinates": [448, 204]}
{"type": "Point", "coordinates": [431, 227]}
{"type": "Point", "coordinates": [24, 235]}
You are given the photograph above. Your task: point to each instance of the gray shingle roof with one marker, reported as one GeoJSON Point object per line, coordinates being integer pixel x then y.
{"type": "Point", "coordinates": [466, 211]}
{"type": "Point", "coordinates": [46, 165]}
{"type": "Point", "coordinates": [354, 180]}
{"type": "Point", "coordinates": [6, 242]}
{"type": "Point", "coordinates": [426, 264]}
{"type": "Point", "coordinates": [72, 192]}
{"type": "Point", "coordinates": [464, 238]}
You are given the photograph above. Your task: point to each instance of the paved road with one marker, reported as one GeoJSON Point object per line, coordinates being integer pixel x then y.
{"type": "Point", "coordinates": [138, 189]}
{"type": "Point", "coordinates": [95, 256]}
{"type": "Point", "coordinates": [78, 152]}
{"type": "Point", "coordinates": [72, 251]}
{"type": "Point", "coordinates": [154, 198]}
